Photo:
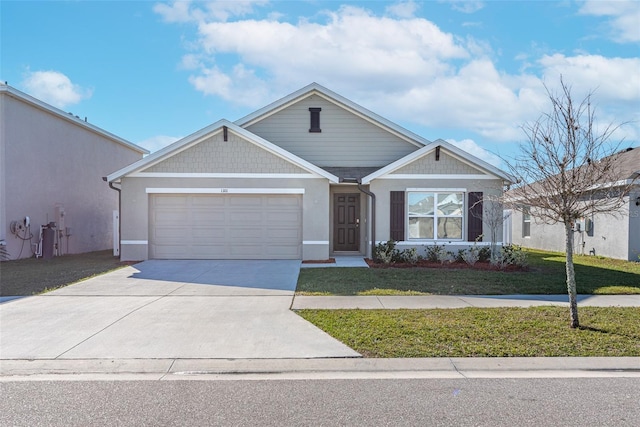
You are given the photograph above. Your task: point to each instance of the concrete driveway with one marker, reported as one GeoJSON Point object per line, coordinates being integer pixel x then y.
{"type": "Point", "coordinates": [168, 309]}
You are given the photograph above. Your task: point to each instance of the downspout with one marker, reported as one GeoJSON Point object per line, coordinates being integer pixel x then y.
{"type": "Point", "coordinates": [373, 218]}
{"type": "Point", "coordinates": [358, 181]}
{"type": "Point", "coordinates": [104, 178]}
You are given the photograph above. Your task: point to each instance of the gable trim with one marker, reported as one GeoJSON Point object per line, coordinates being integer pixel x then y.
{"type": "Point", "coordinates": [214, 129]}
{"type": "Point", "coordinates": [334, 98]}
{"type": "Point", "coordinates": [452, 150]}
{"type": "Point", "coordinates": [437, 176]}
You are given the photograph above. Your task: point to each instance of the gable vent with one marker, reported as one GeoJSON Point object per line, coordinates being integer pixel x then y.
{"type": "Point", "coordinates": [315, 119]}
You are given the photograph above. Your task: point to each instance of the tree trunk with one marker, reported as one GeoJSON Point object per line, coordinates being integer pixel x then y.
{"type": "Point", "coordinates": [571, 276]}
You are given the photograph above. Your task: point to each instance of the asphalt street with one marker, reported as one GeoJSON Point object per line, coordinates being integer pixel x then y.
{"type": "Point", "coordinates": [410, 402]}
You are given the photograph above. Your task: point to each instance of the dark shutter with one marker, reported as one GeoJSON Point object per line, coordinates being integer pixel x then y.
{"type": "Point", "coordinates": [474, 220]}
{"type": "Point", "coordinates": [315, 120]}
{"type": "Point", "coordinates": [396, 226]}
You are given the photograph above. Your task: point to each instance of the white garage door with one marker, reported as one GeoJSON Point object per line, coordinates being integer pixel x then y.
{"type": "Point", "coordinates": [205, 226]}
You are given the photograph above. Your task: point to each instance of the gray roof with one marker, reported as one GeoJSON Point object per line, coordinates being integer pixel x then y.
{"type": "Point", "coordinates": [628, 163]}
{"type": "Point", "coordinates": [348, 172]}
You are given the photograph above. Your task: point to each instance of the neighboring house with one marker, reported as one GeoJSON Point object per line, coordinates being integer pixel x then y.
{"type": "Point", "coordinates": [302, 178]}
{"type": "Point", "coordinates": [613, 236]}
{"type": "Point", "coordinates": [51, 169]}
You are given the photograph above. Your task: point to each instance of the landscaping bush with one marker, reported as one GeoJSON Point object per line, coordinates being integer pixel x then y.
{"type": "Point", "coordinates": [435, 253]}
{"type": "Point", "coordinates": [387, 253]}
{"type": "Point", "coordinates": [510, 255]}
{"type": "Point", "coordinates": [471, 255]}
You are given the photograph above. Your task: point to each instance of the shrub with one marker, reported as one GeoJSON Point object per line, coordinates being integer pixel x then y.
{"type": "Point", "coordinates": [410, 256]}
{"type": "Point", "coordinates": [385, 252]}
{"type": "Point", "coordinates": [484, 254]}
{"type": "Point", "coordinates": [434, 253]}
{"type": "Point", "coordinates": [510, 255]}
{"type": "Point", "coordinates": [471, 255]}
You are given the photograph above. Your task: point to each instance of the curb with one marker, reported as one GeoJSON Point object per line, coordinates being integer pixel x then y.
{"type": "Point", "coordinates": [332, 368]}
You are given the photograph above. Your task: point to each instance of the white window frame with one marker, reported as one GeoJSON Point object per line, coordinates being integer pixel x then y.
{"type": "Point", "coordinates": [435, 216]}
{"type": "Point", "coordinates": [526, 222]}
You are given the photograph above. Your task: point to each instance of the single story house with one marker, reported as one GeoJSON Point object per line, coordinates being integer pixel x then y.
{"type": "Point", "coordinates": [309, 176]}
{"type": "Point", "coordinates": [613, 236]}
{"type": "Point", "coordinates": [51, 169]}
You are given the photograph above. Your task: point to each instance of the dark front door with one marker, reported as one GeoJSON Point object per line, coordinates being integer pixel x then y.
{"type": "Point", "coordinates": [346, 222]}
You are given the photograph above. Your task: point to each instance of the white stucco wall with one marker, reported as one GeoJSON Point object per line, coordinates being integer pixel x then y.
{"type": "Point", "coordinates": [49, 161]}
{"type": "Point", "coordinates": [135, 209]}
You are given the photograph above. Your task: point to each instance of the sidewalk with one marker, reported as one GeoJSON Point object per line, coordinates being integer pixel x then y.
{"type": "Point", "coordinates": [458, 301]}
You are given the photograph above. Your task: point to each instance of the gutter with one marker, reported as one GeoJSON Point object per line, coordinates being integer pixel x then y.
{"type": "Point", "coordinates": [358, 181]}
{"type": "Point", "coordinates": [104, 178]}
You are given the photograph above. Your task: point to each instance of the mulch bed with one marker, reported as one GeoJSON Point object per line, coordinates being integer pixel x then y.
{"type": "Point", "coordinates": [486, 265]}
{"type": "Point", "coordinates": [320, 261]}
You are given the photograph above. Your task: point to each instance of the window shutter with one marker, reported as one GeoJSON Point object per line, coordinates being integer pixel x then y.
{"type": "Point", "coordinates": [315, 120]}
{"type": "Point", "coordinates": [474, 221]}
{"type": "Point", "coordinates": [396, 226]}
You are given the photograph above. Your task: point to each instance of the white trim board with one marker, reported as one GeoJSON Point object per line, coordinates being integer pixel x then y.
{"type": "Point", "coordinates": [224, 190]}
{"type": "Point", "coordinates": [437, 190]}
{"type": "Point", "coordinates": [315, 242]}
{"type": "Point", "coordinates": [134, 242]}
{"type": "Point", "coordinates": [437, 176]}
{"type": "Point", "coordinates": [221, 175]}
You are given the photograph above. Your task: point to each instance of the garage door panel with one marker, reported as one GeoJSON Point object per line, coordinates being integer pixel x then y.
{"type": "Point", "coordinates": [205, 226]}
{"type": "Point", "coordinates": [172, 216]}
{"type": "Point", "coordinates": [280, 234]}
{"type": "Point", "coordinates": [206, 234]}
{"type": "Point", "coordinates": [245, 218]}
{"type": "Point", "coordinates": [282, 217]}
{"type": "Point", "coordinates": [207, 201]}
{"type": "Point", "coordinates": [247, 234]}
{"type": "Point", "coordinates": [246, 201]}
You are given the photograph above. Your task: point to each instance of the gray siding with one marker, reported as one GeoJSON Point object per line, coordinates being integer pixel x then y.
{"type": "Point", "coordinates": [215, 155]}
{"type": "Point", "coordinates": [446, 165]}
{"type": "Point", "coordinates": [346, 140]}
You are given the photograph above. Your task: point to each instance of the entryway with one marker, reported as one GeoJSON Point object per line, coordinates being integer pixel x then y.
{"type": "Point", "coordinates": [346, 222]}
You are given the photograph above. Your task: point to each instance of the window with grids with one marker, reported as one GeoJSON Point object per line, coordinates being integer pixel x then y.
{"type": "Point", "coordinates": [435, 215]}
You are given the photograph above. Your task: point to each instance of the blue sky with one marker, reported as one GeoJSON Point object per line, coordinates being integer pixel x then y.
{"type": "Point", "coordinates": [471, 72]}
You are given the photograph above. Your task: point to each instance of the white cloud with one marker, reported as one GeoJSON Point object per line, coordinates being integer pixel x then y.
{"type": "Point", "coordinates": [404, 68]}
{"type": "Point", "coordinates": [585, 72]}
{"type": "Point", "coordinates": [355, 48]}
{"type": "Point", "coordinates": [405, 9]}
{"type": "Point", "coordinates": [474, 149]}
{"type": "Point", "coordinates": [465, 6]}
{"type": "Point", "coordinates": [624, 16]}
{"type": "Point", "coordinates": [54, 88]}
{"type": "Point", "coordinates": [158, 142]}
{"type": "Point", "coordinates": [218, 10]}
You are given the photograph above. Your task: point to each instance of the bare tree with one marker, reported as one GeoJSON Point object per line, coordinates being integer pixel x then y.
{"type": "Point", "coordinates": [493, 216]}
{"type": "Point", "coordinates": [567, 170]}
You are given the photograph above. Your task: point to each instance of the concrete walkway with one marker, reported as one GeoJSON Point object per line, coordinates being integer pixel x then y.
{"type": "Point", "coordinates": [341, 261]}
{"type": "Point", "coordinates": [458, 301]}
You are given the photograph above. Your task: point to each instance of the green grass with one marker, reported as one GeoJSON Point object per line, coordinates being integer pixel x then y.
{"type": "Point", "coordinates": [546, 275]}
{"type": "Point", "coordinates": [491, 332]}
{"type": "Point", "coordinates": [31, 276]}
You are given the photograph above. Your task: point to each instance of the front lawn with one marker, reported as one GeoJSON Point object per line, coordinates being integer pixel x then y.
{"type": "Point", "coordinates": [31, 276]}
{"type": "Point", "coordinates": [491, 332]}
{"type": "Point", "coordinates": [546, 275]}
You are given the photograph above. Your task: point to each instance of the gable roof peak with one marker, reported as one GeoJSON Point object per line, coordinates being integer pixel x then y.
{"type": "Point", "coordinates": [339, 100]}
